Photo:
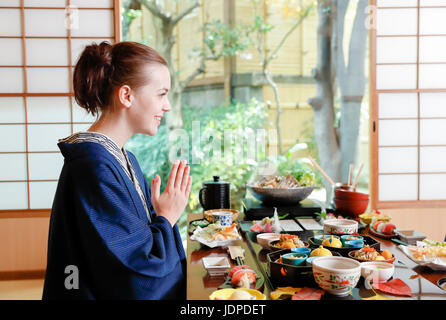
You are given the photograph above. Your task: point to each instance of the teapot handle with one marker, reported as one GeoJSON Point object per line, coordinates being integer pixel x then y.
{"type": "Point", "coordinates": [201, 197]}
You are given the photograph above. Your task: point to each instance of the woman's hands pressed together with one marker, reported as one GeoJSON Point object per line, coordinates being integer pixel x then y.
{"type": "Point", "coordinates": [171, 203]}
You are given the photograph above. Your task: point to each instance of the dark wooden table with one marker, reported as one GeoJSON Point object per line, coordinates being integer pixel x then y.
{"type": "Point", "coordinates": [200, 285]}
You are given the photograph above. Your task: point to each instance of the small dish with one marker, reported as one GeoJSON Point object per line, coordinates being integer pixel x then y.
{"type": "Point", "coordinates": [302, 250]}
{"type": "Point", "coordinates": [348, 237]}
{"type": "Point", "coordinates": [225, 294]}
{"type": "Point", "coordinates": [354, 244]}
{"type": "Point", "coordinates": [309, 260]}
{"type": "Point", "coordinates": [294, 259]}
{"type": "Point", "coordinates": [318, 239]}
{"type": "Point", "coordinates": [216, 266]}
{"type": "Point", "coordinates": [273, 245]}
{"type": "Point", "coordinates": [352, 253]}
{"type": "Point", "coordinates": [265, 238]}
{"type": "Point", "coordinates": [377, 271]}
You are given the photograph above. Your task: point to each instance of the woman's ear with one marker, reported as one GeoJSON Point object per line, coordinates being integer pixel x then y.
{"type": "Point", "coordinates": [125, 96]}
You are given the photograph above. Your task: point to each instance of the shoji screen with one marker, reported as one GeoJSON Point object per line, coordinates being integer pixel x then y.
{"type": "Point", "coordinates": [408, 61]}
{"type": "Point", "coordinates": [40, 42]}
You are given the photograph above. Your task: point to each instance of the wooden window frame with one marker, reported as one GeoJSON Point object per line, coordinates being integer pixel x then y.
{"type": "Point", "coordinates": [22, 213]}
{"type": "Point", "coordinates": [374, 119]}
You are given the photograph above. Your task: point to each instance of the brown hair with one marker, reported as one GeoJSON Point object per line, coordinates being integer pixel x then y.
{"type": "Point", "coordinates": [104, 67]}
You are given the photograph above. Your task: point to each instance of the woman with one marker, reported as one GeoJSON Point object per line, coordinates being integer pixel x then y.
{"type": "Point", "coordinates": [111, 237]}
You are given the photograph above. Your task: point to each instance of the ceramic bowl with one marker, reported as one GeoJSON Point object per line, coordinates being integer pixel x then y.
{"type": "Point", "coordinates": [294, 259]}
{"type": "Point", "coordinates": [309, 261]}
{"type": "Point", "coordinates": [345, 194]}
{"type": "Point", "coordinates": [318, 239]}
{"type": "Point", "coordinates": [265, 238]}
{"type": "Point", "coordinates": [351, 254]}
{"type": "Point", "coordinates": [302, 250]}
{"type": "Point", "coordinates": [354, 244]}
{"type": "Point", "coordinates": [351, 206]}
{"type": "Point", "coordinates": [280, 195]}
{"type": "Point", "coordinates": [209, 214]}
{"type": "Point", "coordinates": [340, 226]}
{"type": "Point", "coordinates": [348, 237]}
{"type": "Point", "coordinates": [377, 271]}
{"type": "Point", "coordinates": [336, 275]}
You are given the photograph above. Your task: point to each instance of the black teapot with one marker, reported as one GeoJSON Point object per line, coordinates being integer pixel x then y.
{"type": "Point", "coordinates": [215, 194]}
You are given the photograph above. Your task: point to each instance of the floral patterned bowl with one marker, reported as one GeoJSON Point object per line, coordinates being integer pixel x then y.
{"type": "Point", "coordinates": [336, 275]}
{"type": "Point", "coordinates": [340, 226]}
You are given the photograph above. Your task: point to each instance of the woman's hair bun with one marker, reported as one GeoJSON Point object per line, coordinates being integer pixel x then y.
{"type": "Point", "coordinates": [91, 79]}
{"type": "Point", "coordinates": [103, 67]}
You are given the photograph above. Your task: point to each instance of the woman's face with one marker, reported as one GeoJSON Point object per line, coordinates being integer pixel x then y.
{"type": "Point", "coordinates": [150, 101]}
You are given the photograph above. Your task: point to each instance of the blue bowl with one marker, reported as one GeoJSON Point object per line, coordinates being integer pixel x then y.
{"type": "Point", "coordinates": [309, 261]}
{"type": "Point", "coordinates": [354, 243]}
{"type": "Point", "coordinates": [318, 239]}
{"type": "Point", "coordinates": [302, 250]}
{"type": "Point", "coordinates": [294, 259]}
{"type": "Point", "coordinates": [349, 237]}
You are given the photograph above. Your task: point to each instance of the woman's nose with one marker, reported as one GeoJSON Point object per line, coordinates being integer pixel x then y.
{"type": "Point", "coordinates": [167, 107]}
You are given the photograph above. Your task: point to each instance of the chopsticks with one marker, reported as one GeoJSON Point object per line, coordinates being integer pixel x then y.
{"type": "Point", "coordinates": [357, 176]}
{"type": "Point", "coordinates": [321, 171]}
{"type": "Point", "coordinates": [350, 174]}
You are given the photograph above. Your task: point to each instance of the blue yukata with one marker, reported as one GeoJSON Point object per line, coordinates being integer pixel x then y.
{"type": "Point", "coordinates": [103, 225]}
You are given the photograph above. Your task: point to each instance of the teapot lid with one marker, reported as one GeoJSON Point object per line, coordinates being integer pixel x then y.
{"type": "Point", "coordinates": [216, 181]}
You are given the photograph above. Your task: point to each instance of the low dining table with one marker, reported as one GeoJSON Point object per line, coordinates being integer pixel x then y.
{"type": "Point", "coordinates": [421, 280]}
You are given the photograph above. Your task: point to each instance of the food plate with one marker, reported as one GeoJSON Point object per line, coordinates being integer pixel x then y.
{"type": "Point", "coordinates": [351, 254]}
{"type": "Point", "coordinates": [368, 241]}
{"type": "Point", "coordinates": [423, 256]}
{"type": "Point", "coordinates": [225, 294]}
{"type": "Point", "coordinates": [207, 236]}
{"type": "Point", "coordinates": [381, 235]}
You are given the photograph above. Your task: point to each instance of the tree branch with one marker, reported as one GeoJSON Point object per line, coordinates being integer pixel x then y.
{"type": "Point", "coordinates": [156, 10]}
{"type": "Point", "coordinates": [185, 12]}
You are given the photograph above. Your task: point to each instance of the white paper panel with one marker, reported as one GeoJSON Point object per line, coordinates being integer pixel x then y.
{"type": "Point", "coordinates": [432, 21]}
{"type": "Point", "coordinates": [396, 50]}
{"type": "Point", "coordinates": [78, 45]}
{"type": "Point", "coordinates": [396, 3]}
{"type": "Point", "coordinates": [94, 23]}
{"type": "Point", "coordinates": [48, 109]}
{"type": "Point", "coordinates": [14, 195]}
{"type": "Point", "coordinates": [45, 166]}
{"type": "Point", "coordinates": [432, 131]}
{"type": "Point", "coordinates": [47, 52]}
{"type": "Point", "coordinates": [10, 22]}
{"type": "Point", "coordinates": [398, 132]}
{"type": "Point", "coordinates": [45, 22]}
{"type": "Point", "coordinates": [398, 160]}
{"type": "Point", "coordinates": [396, 22]}
{"type": "Point", "coordinates": [81, 115]}
{"type": "Point", "coordinates": [13, 166]}
{"type": "Point", "coordinates": [432, 3]}
{"type": "Point", "coordinates": [432, 49]}
{"type": "Point", "coordinates": [45, 137]}
{"type": "Point", "coordinates": [398, 187]}
{"type": "Point", "coordinates": [41, 194]}
{"type": "Point", "coordinates": [11, 53]}
{"type": "Point", "coordinates": [397, 105]}
{"type": "Point", "coordinates": [78, 127]}
{"type": "Point", "coordinates": [12, 110]}
{"type": "Point", "coordinates": [396, 77]}
{"type": "Point", "coordinates": [433, 159]}
{"type": "Point", "coordinates": [10, 3]}
{"type": "Point", "coordinates": [42, 80]}
{"type": "Point", "coordinates": [432, 76]}
{"type": "Point", "coordinates": [92, 4]}
{"type": "Point", "coordinates": [432, 187]}
{"type": "Point", "coordinates": [11, 80]}
{"type": "Point", "coordinates": [16, 141]}
{"type": "Point", "coordinates": [433, 104]}
{"type": "Point", "coordinates": [46, 3]}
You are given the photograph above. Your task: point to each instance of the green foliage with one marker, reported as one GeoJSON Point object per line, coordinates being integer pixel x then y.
{"type": "Point", "coordinates": [152, 152]}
